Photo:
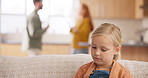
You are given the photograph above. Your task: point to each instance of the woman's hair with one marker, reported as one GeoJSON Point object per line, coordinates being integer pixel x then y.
{"type": "Point", "coordinates": [87, 14]}
{"type": "Point", "coordinates": [111, 32]}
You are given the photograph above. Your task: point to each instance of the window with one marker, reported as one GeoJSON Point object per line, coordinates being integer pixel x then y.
{"type": "Point", "coordinates": [60, 7]}
{"type": "Point", "coordinates": [13, 6]}
{"type": "Point", "coordinates": [59, 14]}
{"type": "Point", "coordinates": [12, 16]}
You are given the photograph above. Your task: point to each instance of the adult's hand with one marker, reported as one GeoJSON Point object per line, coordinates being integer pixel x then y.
{"type": "Point", "coordinates": [46, 27]}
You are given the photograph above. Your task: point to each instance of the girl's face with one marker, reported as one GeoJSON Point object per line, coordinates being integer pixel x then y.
{"type": "Point", "coordinates": [103, 50]}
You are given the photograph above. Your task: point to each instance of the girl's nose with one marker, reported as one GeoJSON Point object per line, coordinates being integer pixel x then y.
{"type": "Point", "coordinates": [97, 52]}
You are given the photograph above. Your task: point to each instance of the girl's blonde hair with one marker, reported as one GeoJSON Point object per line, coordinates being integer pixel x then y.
{"type": "Point", "coordinates": [112, 32]}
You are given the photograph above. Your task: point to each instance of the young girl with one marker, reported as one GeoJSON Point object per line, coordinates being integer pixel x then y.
{"type": "Point", "coordinates": [81, 31]}
{"type": "Point", "coordinates": [105, 50]}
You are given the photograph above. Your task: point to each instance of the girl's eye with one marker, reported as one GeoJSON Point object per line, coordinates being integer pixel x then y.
{"type": "Point", "coordinates": [103, 50]}
{"type": "Point", "coordinates": [93, 47]}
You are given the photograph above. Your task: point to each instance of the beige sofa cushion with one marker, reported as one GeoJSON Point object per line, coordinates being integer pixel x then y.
{"type": "Point", "coordinates": [57, 66]}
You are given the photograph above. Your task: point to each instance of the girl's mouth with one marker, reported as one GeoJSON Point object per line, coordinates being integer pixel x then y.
{"type": "Point", "coordinates": [97, 58]}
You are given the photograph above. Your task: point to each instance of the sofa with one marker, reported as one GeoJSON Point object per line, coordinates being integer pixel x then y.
{"type": "Point", "coordinates": [57, 66]}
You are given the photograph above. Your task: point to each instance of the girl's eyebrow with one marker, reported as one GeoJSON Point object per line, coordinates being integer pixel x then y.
{"type": "Point", "coordinates": [101, 46]}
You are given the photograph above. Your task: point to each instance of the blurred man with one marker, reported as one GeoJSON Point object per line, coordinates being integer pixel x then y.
{"type": "Point", "coordinates": [34, 30]}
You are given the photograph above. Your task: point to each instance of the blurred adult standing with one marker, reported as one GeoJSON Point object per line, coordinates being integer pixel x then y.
{"type": "Point", "coordinates": [81, 31]}
{"type": "Point", "coordinates": [34, 31]}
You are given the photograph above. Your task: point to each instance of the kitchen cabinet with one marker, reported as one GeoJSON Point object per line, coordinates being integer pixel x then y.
{"type": "Point", "coordinates": [115, 8]}
{"type": "Point", "coordinates": [135, 52]}
{"type": "Point", "coordinates": [129, 52]}
{"type": "Point", "coordinates": [145, 8]}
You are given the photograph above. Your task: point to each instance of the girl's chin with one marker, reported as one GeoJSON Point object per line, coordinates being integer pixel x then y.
{"type": "Point", "coordinates": [100, 62]}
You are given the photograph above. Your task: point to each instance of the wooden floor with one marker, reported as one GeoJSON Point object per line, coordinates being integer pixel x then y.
{"type": "Point", "coordinates": [128, 52]}
{"type": "Point", "coordinates": [15, 50]}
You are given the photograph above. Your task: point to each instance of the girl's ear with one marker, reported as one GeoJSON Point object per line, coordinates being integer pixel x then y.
{"type": "Point", "coordinates": [117, 50]}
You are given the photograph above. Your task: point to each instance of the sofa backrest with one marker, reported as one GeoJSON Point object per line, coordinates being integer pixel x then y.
{"type": "Point", "coordinates": [57, 66]}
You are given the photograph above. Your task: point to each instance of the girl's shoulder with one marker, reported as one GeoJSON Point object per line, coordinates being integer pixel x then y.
{"type": "Point", "coordinates": [87, 64]}
{"type": "Point", "coordinates": [122, 71]}
{"type": "Point", "coordinates": [122, 68]}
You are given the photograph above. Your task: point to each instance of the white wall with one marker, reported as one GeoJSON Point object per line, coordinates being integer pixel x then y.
{"type": "Point", "coordinates": [145, 25]}
{"type": "Point", "coordinates": [127, 26]}
{"type": "Point", "coordinates": [11, 23]}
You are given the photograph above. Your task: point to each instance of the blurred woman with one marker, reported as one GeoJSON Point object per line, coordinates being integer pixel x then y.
{"type": "Point", "coordinates": [81, 31]}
